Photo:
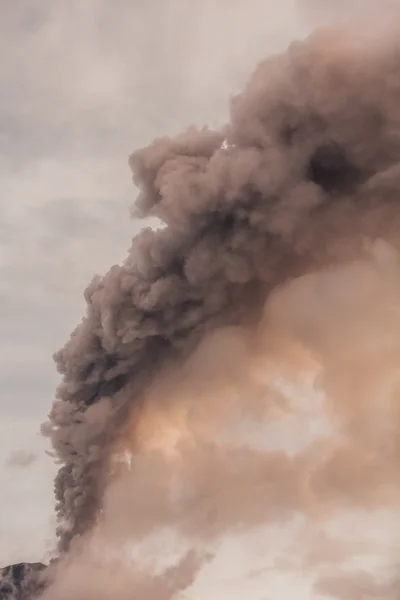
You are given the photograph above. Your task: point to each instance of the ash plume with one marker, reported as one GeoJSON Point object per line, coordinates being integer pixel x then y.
{"type": "Point", "coordinates": [305, 175]}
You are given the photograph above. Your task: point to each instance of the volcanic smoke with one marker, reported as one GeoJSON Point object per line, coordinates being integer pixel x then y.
{"type": "Point", "coordinates": [269, 294]}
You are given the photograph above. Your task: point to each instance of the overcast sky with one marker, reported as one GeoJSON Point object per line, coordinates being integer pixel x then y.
{"type": "Point", "coordinates": [83, 83]}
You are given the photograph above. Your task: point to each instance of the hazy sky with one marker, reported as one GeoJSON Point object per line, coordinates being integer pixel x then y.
{"type": "Point", "coordinates": [83, 83]}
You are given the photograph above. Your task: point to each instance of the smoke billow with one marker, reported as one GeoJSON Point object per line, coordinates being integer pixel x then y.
{"type": "Point", "coordinates": [274, 270]}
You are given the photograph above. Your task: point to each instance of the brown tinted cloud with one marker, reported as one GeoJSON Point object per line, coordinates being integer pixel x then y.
{"type": "Point", "coordinates": [191, 333]}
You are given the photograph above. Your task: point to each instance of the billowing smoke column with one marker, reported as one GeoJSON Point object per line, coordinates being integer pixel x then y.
{"type": "Point", "coordinates": [307, 170]}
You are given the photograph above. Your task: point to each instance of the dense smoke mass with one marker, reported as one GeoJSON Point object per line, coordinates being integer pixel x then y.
{"type": "Point", "coordinates": [304, 178]}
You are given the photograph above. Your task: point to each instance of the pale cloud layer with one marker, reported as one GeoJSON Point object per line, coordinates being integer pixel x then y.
{"type": "Point", "coordinates": [83, 83]}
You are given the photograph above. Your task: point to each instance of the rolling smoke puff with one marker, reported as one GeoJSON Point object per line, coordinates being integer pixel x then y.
{"type": "Point", "coordinates": [307, 170]}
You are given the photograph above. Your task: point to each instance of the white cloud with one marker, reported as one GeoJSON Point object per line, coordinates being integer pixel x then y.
{"type": "Point", "coordinates": [26, 505]}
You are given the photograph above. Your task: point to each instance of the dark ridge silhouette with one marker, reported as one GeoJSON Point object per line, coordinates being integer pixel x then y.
{"type": "Point", "coordinates": [22, 581]}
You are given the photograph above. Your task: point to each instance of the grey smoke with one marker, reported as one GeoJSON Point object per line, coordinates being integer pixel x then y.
{"type": "Point", "coordinates": [306, 170]}
{"type": "Point", "coordinates": [21, 458]}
